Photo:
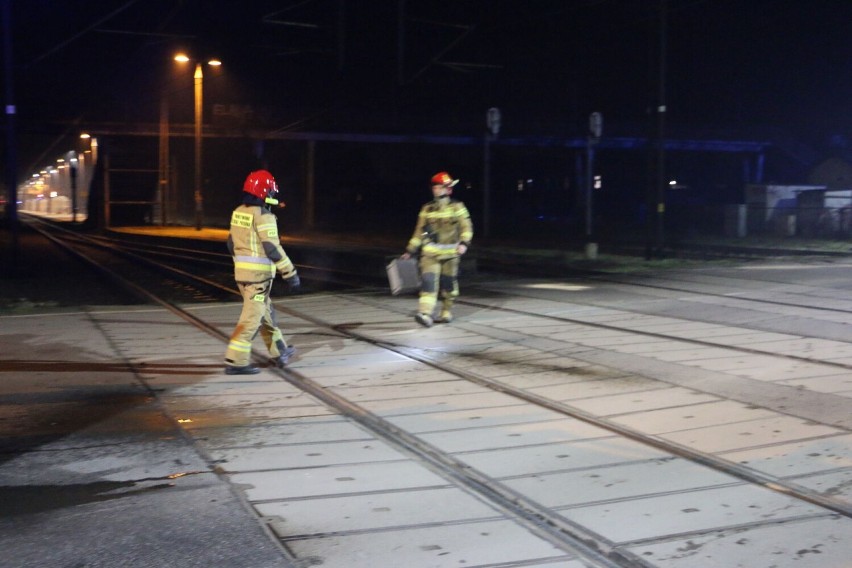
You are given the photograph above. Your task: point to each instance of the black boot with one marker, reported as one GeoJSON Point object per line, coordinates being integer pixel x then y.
{"type": "Point", "coordinates": [247, 370]}
{"type": "Point", "coordinates": [284, 357]}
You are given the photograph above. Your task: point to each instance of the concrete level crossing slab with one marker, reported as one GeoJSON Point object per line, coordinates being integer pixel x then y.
{"type": "Point", "coordinates": [519, 462]}
{"type": "Point", "coordinates": [838, 484]}
{"type": "Point", "coordinates": [691, 512]}
{"type": "Point", "coordinates": [333, 490]}
{"type": "Point", "coordinates": [306, 455]}
{"type": "Point", "coordinates": [517, 413]}
{"type": "Point", "coordinates": [690, 416]}
{"type": "Point", "coordinates": [440, 385]}
{"type": "Point", "coordinates": [272, 386]}
{"type": "Point", "coordinates": [512, 435]}
{"type": "Point", "coordinates": [444, 546]}
{"type": "Point", "coordinates": [615, 386]}
{"type": "Point", "coordinates": [307, 430]}
{"type": "Point", "coordinates": [618, 482]}
{"type": "Point", "coordinates": [346, 479]}
{"type": "Point", "coordinates": [369, 377]}
{"type": "Point", "coordinates": [840, 383]}
{"type": "Point", "coordinates": [767, 545]}
{"type": "Point", "coordinates": [399, 407]}
{"type": "Point", "coordinates": [799, 457]}
{"type": "Point", "coordinates": [300, 518]}
{"type": "Point", "coordinates": [769, 430]}
{"type": "Point", "coordinates": [183, 403]}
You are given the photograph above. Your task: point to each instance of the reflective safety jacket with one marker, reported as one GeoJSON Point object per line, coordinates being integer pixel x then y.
{"type": "Point", "coordinates": [253, 242]}
{"type": "Point", "coordinates": [441, 226]}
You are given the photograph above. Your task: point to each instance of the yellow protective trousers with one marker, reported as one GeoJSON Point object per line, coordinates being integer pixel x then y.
{"type": "Point", "coordinates": [258, 314]}
{"type": "Point", "coordinates": [438, 275]}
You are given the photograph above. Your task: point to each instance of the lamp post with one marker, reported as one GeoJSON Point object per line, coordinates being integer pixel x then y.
{"type": "Point", "coordinates": [53, 187]}
{"type": "Point", "coordinates": [59, 188]}
{"type": "Point", "coordinates": [199, 96]}
{"type": "Point", "coordinates": [71, 158]}
{"type": "Point", "coordinates": [93, 146]}
{"type": "Point", "coordinates": [87, 160]}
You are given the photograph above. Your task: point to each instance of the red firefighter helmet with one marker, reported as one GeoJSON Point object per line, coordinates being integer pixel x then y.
{"type": "Point", "coordinates": [260, 183]}
{"type": "Point", "coordinates": [443, 178]}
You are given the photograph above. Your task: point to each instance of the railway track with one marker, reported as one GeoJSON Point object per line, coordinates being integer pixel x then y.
{"type": "Point", "coordinates": [545, 358]}
{"type": "Point", "coordinates": [185, 274]}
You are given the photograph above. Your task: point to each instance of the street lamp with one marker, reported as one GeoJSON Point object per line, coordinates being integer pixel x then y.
{"type": "Point", "coordinates": [199, 94]}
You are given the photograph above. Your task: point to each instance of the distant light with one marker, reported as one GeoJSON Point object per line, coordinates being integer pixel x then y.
{"type": "Point", "coordinates": [53, 194]}
{"type": "Point", "coordinates": [214, 62]}
{"type": "Point", "coordinates": [598, 182]}
{"type": "Point", "coordinates": [673, 182]}
{"type": "Point", "coordinates": [35, 175]}
{"type": "Point", "coordinates": [60, 160]}
{"type": "Point", "coordinates": [85, 136]}
{"type": "Point", "coordinates": [181, 57]}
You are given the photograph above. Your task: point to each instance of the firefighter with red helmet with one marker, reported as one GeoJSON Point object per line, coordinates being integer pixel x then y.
{"type": "Point", "coordinates": [256, 249]}
{"type": "Point", "coordinates": [441, 236]}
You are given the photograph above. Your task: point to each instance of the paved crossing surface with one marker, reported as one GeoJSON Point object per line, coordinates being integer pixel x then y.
{"type": "Point", "coordinates": [125, 444]}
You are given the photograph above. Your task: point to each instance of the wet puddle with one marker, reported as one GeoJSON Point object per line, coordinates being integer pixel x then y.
{"type": "Point", "coordinates": [30, 499]}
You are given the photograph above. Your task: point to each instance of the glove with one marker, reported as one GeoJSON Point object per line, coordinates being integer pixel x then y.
{"type": "Point", "coordinates": [293, 282]}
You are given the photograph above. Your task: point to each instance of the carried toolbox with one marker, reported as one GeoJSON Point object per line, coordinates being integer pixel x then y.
{"type": "Point", "coordinates": [403, 276]}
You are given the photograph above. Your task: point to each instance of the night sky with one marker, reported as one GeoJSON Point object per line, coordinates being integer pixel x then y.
{"type": "Point", "coordinates": [735, 66]}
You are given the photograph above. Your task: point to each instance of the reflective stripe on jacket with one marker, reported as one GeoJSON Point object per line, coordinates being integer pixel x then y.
{"type": "Point", "coordinates": [439, 251]}
{"type": "Point", "coordinates": [441, 226]}
{"type": "Point", "coordinates": [254, 244]}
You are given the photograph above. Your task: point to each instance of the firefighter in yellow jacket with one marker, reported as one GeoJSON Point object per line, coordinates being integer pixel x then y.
{"type": "Point", "coordinates": [254, 244]}
{"type": "Point", "coordinates": [442, 235]}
